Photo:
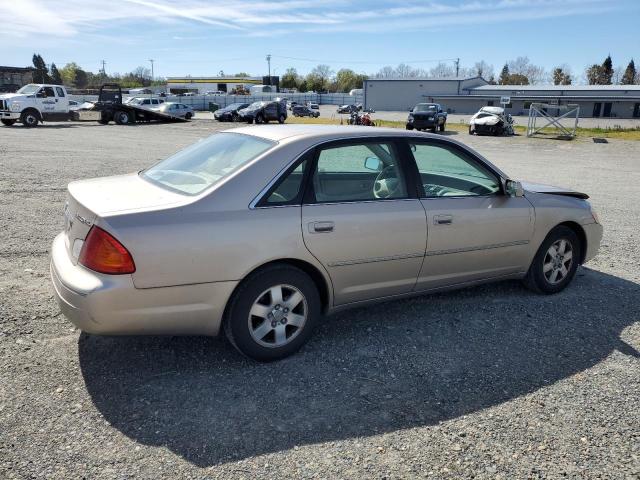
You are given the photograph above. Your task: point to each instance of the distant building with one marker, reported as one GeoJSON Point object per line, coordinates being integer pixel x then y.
{"type": "Point", "coordinates": [467, 95]}
{"type": "Point", "coordinates": [201, 85]}
{"type": "Point", "coordinates": [12, 78]}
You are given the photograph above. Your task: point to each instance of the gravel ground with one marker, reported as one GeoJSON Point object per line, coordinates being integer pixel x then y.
{"type": "Point", "coordinates": [486, 382]}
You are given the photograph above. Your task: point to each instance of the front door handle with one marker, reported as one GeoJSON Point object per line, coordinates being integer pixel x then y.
{"type": "Point", "coordinates": [321, 227]}
{"type": "Point", "coordinates": [442, 219]}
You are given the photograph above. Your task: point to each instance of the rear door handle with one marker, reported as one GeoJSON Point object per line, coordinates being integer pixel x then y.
{"type": "Point", "coordinates": [442, 219]}
{"type": "Point", "coordinates": [321, 227]}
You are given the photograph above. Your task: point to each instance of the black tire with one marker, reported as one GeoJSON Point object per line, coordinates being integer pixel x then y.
{"type": "Point", "coordinates": [237, 319]}
{"type": "Point", "coordinates": [121, 117]}
{"type": "Point", "coordinates": [471, 130]}
{"type": "Point", "coordinates": [536, 278]}
{"type": "Point", "coordinates": [260, 119]}
{"type": "Point", "coordinates": [30, 118]}
{"type": "Point", "coordinates": [409, 127]}
{"type": "Point", "coordinates": [250, 121]}
{"type": "Point", "coordinates": [443, 126]}
{"type": "Point", "coordinates": [188, 115]}
{"type": "Point", "coordinates": [8, 122]}
{"type": "Point", "coordinates": [281, 118]}
{"type": "Point", "coordinates": [234, 117]}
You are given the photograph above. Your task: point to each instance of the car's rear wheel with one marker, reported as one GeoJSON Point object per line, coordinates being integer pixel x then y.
{"type": "Point", "coordinates": [121, 117]}
{"type": "Point", "coordinates": [273, 312]}
{"type": "Point", "coordinates": [259, 118]}
{"type": "Point", "coordinates": [281, 118]}
{"type": "Point", "coordinates": [188, 115]}
{"type": "Point", "coordinates": [443, 126]}
{"type": "Point", "coordinates": [556, 262]}
{"type": "Point", "coordinates": [471, 130]}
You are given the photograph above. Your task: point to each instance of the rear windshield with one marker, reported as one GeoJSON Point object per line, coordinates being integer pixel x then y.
{"type": "Point", "coordinates": [423, 107]}
{"type": "Point", "coordinates": [207, 162]}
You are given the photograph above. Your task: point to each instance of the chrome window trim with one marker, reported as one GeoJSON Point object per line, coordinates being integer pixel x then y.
{"type": "Point", "coordinates": [253, 204]}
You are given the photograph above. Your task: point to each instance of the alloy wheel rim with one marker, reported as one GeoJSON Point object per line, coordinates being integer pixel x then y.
{"type": "Point", "coordinates": [277, 316]}
{"type": "Point", "coordinates": [558, 261]}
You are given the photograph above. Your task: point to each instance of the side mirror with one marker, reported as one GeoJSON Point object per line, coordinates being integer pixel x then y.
{"type": "Point", "coordinates": [514, 188]}
{"type": "Point", "coordinates": [372, 163]}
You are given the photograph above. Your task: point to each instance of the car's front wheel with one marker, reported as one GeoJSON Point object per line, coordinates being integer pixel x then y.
{"type": "Point", "coordinates": [273, 312]}
{"type": "Point", "coordinates": [556, 261]}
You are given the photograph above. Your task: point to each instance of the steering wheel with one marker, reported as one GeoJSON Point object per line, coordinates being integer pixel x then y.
{"type": "Point", "coordinates": [387, 183]}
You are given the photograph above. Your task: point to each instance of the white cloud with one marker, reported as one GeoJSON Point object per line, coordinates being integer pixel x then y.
{"type": "Point", "coordinates": [269, 18]}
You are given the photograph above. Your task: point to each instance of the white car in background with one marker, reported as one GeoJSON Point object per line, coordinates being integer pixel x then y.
{"type": "Point", "coordinates": [175, 110]}
{"type": "Point", "coordinates": [491, 121]}
{"type": "Point", "coordinates": [149, 103]}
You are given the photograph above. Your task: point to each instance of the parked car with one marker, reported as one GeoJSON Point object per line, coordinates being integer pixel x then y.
{"type": "Point", "coordinates": [491, 121]}
{"type": "Point", "coordinates": [291, 104]}
{"type": "Point", "coordinates": [149, 103]}
{"type": "Point", "coordinates": [198, 244]}
{"type": "Point", "coordinates": [230, 112]}
{"type": "Point", "coordinates": [348, 108]}
{"type": "Point", "coordinates": [313, 105]}
{"type": "Point", "coordinates": [427, 116]}
{"type": "Point", "coordinates": [263, 112]}
{"type": "Point", "coordinates": [176, 110]}
{"type": "Point", "coordinates": [304, 111]}
{"type": "Point", "coordinates": [215, 92]}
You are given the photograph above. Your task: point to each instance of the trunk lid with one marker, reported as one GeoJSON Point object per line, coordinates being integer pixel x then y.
{"type": "Point", "coordinates": [88, 200]}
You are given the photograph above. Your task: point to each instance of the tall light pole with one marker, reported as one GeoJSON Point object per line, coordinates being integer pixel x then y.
{"type": "Point", "coordinates": [151, 60]}
{"type": "Point", "coordinates": [269, 67]}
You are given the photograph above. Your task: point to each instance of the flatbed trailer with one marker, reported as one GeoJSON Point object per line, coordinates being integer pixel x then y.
{"type": "Point", "coordinates": [109, 107]}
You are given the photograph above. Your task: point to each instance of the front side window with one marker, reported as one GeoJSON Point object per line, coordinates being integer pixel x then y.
{"type": "Point", "coordinates": [48, 92]}
{"type": "Point", "coordinates": [207, 162]}
{"type": "Point", "coordinates": [358, 172]}
{"type": "Point", "coordinates": [445, 172]}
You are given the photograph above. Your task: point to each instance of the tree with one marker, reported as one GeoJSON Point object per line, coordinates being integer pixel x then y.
{"type": "Point", "coordinates": [79, 78]}
{"type": "Point", "coordinates": [630, 74]}
{"type": "Point", "coordinates": [504, 75]}
{"type": "Point", "coordinates": [560, 76]}
{"type": "Point", "coordinates": [68, 73]}
{"type": "Point", "coordinates": [607, 71]}
{"type": "Point", "coordinates": [386, 72]}
{"type": "Point", "coordinates": [42, 73]}
{"type": "Point", "coordinates": [524, 68]}
{"type": "Point", "coordinates": [242, 75]}
{"type": "Point", "coordinates": [441, 70]}
{"type": "Point", "coordinates": [482, 69]}
{"type": "Point", "coordinates": [290, 79]}
{"type": "Point", "coordinates": [56, 78]}
{"type": "Point", "coordinates": [320, 76]}
{"type": "Point", "coordinates": [347, 80]}
{"type": "Point", "coordinates": [594, 74]}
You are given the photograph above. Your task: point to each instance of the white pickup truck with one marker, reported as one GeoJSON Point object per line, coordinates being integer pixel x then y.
{"type": "Point", "coordinates": [35, 103]}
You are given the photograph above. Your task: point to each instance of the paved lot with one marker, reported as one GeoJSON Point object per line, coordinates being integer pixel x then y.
{"type": "Point", "coordinates": [487, 382]}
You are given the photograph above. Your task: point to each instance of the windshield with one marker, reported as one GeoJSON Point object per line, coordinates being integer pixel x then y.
{"type": "Point", "coordinates": [424, 107]}
{"type": "Point", "coordinates": [233, 106]}
{"type": "Point", "coordinates": [29, 89]}
{"type": "Point", "coordinates": [256, 105]}
{"type": "Point", "coordinates": [207, 162]}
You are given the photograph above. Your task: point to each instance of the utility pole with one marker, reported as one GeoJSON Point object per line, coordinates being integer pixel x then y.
{"type": "Point", "coordinates": [151, 60]}
{"type": "Point", "coordinates": [104, 73]}
{"type": "Point", "coordinates": [269, 67]}
{"type": "Point", "coordinates": [457, 62]}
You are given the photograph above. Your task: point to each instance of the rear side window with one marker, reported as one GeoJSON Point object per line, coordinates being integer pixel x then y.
{"type": "Point", "coordinates": [60, 92]}
{"type": "Point", "coordinates": [207, 162]}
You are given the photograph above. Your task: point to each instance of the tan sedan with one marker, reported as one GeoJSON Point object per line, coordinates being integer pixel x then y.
{"type": "Point", "coordinates": [261, 230]}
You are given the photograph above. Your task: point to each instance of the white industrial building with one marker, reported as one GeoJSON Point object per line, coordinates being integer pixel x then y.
{"type": "Point", "coordinates": [201, 85]}
{"type": "Point", "coordinates": [467, 95]}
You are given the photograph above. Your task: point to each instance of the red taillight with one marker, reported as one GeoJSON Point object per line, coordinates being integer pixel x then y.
{"type": "Point", "coordinates": [102, 253]}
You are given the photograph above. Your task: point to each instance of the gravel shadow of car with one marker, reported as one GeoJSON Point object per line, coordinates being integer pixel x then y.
{"type": "Point", "coordinates": [367, 371]}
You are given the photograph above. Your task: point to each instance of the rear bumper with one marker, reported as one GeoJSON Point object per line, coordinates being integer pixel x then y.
{"type": "Point", "coordinates": [593, 232]}
{"type": "Point", "coordinates": [110, 304]}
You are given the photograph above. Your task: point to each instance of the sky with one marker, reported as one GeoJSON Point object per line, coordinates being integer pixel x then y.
{"type": "Point", "coordinates": [200, 38]}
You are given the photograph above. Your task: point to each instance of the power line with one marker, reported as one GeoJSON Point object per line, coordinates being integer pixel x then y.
{"type": "Point", "coordinates": [359, 62]}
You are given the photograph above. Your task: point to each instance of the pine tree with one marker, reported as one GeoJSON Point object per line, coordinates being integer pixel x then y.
{"type": "Point", "coordinates": [56, 78]}
{"type": "Point", "coordinates": [629, 77]}
{"type": "Point", "coordinates": [607, 71]}
{"type": "Point", "coordinates": [504, 75]}
{"type": "Point", "coordinates": [41, 74]}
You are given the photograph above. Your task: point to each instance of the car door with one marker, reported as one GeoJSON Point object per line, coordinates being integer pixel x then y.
{"type": "Point", "coordinates": [46, 101]}
{"type": "Point", "coordinates": [62, 104]}
{"type": "Point", "coordinates": [475, 231]}
{"type": "Point", "coordinates": [362, 220]}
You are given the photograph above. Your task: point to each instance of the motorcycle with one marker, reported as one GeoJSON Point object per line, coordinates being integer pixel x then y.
{"type": "Point", "coordinates": [357, 118]}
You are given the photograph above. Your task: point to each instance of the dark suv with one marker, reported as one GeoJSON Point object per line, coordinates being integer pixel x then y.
{"type": "Point", "coordinates": [427, 116]}
{"type": "Point", "coordinates": [230, 112]}
{"type": "Point", "coordinates": [263, 112]}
